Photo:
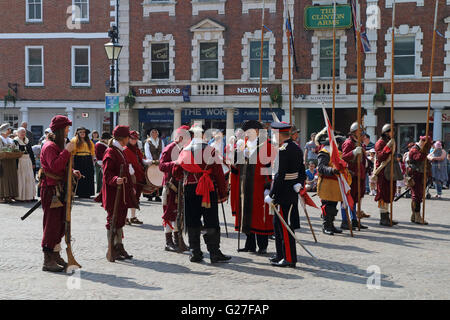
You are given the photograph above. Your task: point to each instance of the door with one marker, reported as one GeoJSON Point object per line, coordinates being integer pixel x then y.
{"type": "Point", "coordinates": [406, 134]}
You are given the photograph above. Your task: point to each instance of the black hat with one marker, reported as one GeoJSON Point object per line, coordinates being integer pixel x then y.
{"type": "Point", "coordinates": [106, 135]}
{"type": "Point", "coordinates": [251, 124]}
{"type": "Point", "coordinates": [83, 128]}
{"type": "Point", "coordinates": [294, 130]}
{"type": "Point", "coordinates": [281, 126]}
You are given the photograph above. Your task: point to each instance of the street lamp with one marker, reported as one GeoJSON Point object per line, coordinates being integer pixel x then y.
{"type": "Point", "coordinates": [113, 50]}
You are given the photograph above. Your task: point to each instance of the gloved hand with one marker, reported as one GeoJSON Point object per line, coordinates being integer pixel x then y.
{"type": "Point", "coordinates": [357, 151]}
{"type": "Point", "coordinates": [131, 169]}
{"type": "Point", "coordinates": [266, 192]}
{"type": "Point", "coordinates": [268, 199]}
{"type": "Point", "coordinates": [297, 187]}
{"type": "Point", "coordinates": [391, 143]}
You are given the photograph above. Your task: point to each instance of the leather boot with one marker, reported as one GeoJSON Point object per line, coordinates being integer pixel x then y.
{"type": "Point", "coordinates": [355, 225]}
{"type": "Point", "coordinates": [413, 212]}
{"type": "Point", "coordinates": [327, 226]}
{"type": "Point", "coordinates": [212, 240]}
{"type": "Point", "coordinates": [50, 263]}
{"type": "Point", "coordinates": [194, 244]}
{"type": "Point", "coordinates": [121, 250]}
{"type": "Point", "coordinates": [333, 228]}
{"type": "Point", "coordinates": [57, 256]}
{"type": "Point", "coordinates": [116, 253]}
{"type": "Point", "coordinates": [170, 246]}
{"type": "Point", "coordinates": [418, 218]}
{"type": "Point", "coordinates": [384, 219]}
{"type": "Point", "coordinates": [179, 242]}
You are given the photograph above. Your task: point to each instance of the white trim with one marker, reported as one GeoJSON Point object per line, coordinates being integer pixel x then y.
{"type": "Point", "coordinates": [404, 31]}
{"type": "Point", "coordinates": [150, 6]}
{"type": "Point", "coordinates": [419, 3]}
{"type": "Point", "coordinates": [258, 4]}
{"type": "Point", "coordinates": [212, 5]}
{"type": "Point", "coordinates": [81, 19]}
{"type": "Point", "coordinates": [34, 84]}
{"type": "Point", "coordinates": [147, 54]}
{"type": "Point", "coordinates": [245, 65]}
{"type": "Point", "coordinates": [27, 13]}
{"type": "Point", "coordinates": [54, 35]}
{"type": "Point", "coordinates": [73, 83]}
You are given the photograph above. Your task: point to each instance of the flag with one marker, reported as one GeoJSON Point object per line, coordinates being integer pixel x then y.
{"type": "Point", "coordinates": [307, 199]}
{"type": "Point", "coordinates": [290, 37]}
{"type": "Point", "coordinates": [365, 44]}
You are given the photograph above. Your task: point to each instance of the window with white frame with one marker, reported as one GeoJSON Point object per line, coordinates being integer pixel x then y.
{"type": "Point", "coordinates": [81, 12]}
{"type": "Point", "coordinates": [209, 60]}
{"type": "Point", "coordinates": [81, 66]}
{"type": "Point", "coordinates": [160, 61]}
{"type": "Point", "coordinates": [404, 56]}
{"type": "Point", "coordinates": [255, 59]}
{"type": "Point", "coordinates": [34, 66]}
{"type": "Point", "coordinates": [208, 5]}
{"type": "Point", "coordinates": [326, 58]}
{"type": "Point", "coordinates": [12, 119]}
{"type": "Point", "coordinates": [34, 11]}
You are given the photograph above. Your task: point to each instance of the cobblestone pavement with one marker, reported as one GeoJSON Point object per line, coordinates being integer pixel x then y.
{"type": "Point", "coordinates": [413, 260]}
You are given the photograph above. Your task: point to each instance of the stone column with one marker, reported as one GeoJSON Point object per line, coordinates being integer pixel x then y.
{"type": "Point", "coordinates": [24, 115]}
{"type": "Point", "coordinates": [370, 122]}
{"type": "Point", "coordinates": [176, 117]}
{"type": "Point", "coordinates": [70, 115]}
{"type": "Point", "coordinates": [230, 123]}
{"type": "Point", "coordinates": [437, 124]}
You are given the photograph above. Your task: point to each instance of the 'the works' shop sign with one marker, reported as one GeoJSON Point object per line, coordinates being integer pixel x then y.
{"type": "Point", "coordinates": [322, 17]}
{"type": "Point", "coordinates": [159, 91]}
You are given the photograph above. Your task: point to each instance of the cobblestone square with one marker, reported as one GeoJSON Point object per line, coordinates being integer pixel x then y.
{"type": "Point", "coordinates": [413, 260]}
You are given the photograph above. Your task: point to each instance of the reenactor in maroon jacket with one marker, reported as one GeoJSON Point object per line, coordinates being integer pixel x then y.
{"type": "Point", "coordinates": [417, 157]}
{"type": "Point", "coordinates": [55, 156]}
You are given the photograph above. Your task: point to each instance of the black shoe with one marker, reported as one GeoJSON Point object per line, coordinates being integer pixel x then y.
{"type": "Point", "coordinates": [355, 225]}
{"type": "Point", "coordinates": [275, 259]}
{"type": "Point", "coordinates": [272, 237]}
{"type": "Point", "coordinates": [196, 257]}
{"type": "Point", "coordinates": [328, 231]}
{"type": "Point", "coordinates": [283, 264]}
{"type": "Point", "coordinates": [262, 251]}
{"type": "Point", "coordinates": [246, 250]}
{"type": "Point", "coordinates": [336, 230]}
{"type": "Point", "coordinates": [157, 199]}
{"type": "Point", "coordinates": [219, 257]}
{"type": "Point", "coordinates": [344, 226]}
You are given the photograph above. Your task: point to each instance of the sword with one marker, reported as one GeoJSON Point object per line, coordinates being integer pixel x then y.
{"type": "Point", "coordinates": [402, 195]}
{"type": "Point", "coordinates": [290, 231]}
{"type": "Point", "coordinates": [37, 205]}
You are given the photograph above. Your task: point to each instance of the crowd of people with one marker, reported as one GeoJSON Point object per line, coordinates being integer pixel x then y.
{"type": "Point", "coordinates": [263, 174]}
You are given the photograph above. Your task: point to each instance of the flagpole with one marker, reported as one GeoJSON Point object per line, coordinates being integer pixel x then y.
{"type": "Point", "coordinates": [427, 128]}
{"type": "Point", "coordinates": [290, 78]}
{"type": "Point", "coordinates": [358, 44]}
{"type": "Point", "coordinates": [391, 209]}
{"type": "Point", "coordinates": [261, 60]}
{"type": "Point", "coordinates": [334, 67]}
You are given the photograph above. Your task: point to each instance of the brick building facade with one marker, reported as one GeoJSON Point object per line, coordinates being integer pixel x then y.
{"type": "Point", "coordinates": [53, 54]}
{"type": "Point", "coordinates": [166, 47]}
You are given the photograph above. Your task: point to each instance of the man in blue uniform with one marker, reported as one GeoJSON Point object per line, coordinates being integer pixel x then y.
{"type": "Point", "coordinates": [288, 180]}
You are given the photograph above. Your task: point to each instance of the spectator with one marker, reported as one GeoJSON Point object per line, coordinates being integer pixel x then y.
{"type": "Point", "coordinates": [29, 133]}
{"type": "Point", "coordinates": [8, 168]}
{"type": "Point", "coordinates": [295, 135]}
{"type": "Point", "coordinates": [366, 140]}
{"type": "Point", "coordinates": [44, 138]}
{"type": "Point", "coordinates": [372, 178]}
{"type": "Point", "coordinates": [310, 150]}
{"type": "Point", "coordinates": [26, 165]}
{"type": "Point", "coordinates": [83, 161]}
{"type": "Point", "coordinates": [438, 167]}
{"type": "Point", "coordinates": [401, 183]}
{"type": "Point", "coordinates": [95, 137]}
{"type": "Point", "coordinates": [311, 177]}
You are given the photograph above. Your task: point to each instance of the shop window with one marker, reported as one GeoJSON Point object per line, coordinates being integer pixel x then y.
{"type": "Point", "coordinates": [404, 56]}
{"type": "Point", "coordinates": [34, 11]}
{"type": "Point", "coordinates": [81, 66]}
{"type": "Point", "coordinates": [326, 58]}
{"type": "Point", "coordinates": [209, 62]}
{"type": "Point", "coordinates": [12, 119]}
{"type": "Point", "coordinates": [255, 59]}
{"type": "Point", "coordinates": [160, 61]}
{"type": "Point", "coordinates": [34, 62]}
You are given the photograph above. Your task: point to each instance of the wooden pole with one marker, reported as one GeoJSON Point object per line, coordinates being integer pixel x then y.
{"type": "Point", "coordinates": [261, 61]}
{"type": "Point", "coordinates": [358, 67]}
{"type": "Point", "coordinates": [290, 78]}
{"type": "Point", "coordinates": [427, 128]}
{"type": "Point", "coordinates": [391, 210]}
{"type": "Point", "coordinates": [333, 117]}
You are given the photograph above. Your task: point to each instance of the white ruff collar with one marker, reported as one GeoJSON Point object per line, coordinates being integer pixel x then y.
{"type": "Point", "coordinates": [117, 144]}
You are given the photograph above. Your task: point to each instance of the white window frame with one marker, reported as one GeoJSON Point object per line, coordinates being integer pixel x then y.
{"type": "Point", "coordinates": [404, 31]}
{"type": "Point", "coordinates": [34, 84]}
{"type": "Point", "coordinates": [27, 19]}
{"type": "Point", "coordinates": [258, 4]}
{"type": "Point", "coordinates": [245, 65]}
{"type": "Point", "coordinates": [337, 58]}
{"type": "Point", "coordinates": [74, 84]}
{"type": "Point", "coordinates": [147, 66]}
{"type": "Point", "coordinates": [199, 61]}
{"type": "Point", "coordinates": [419, 3]}
{"type": "Point", "coordinates": [150, 6]}
{"type": "Point", "coordinates": [209, 5]}
{"type": "Point", "coordinates": [74, 18]}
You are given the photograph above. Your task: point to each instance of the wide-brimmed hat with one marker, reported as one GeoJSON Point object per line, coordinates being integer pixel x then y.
{"type": "Point", "coordinates": [83, 128]}
{"type": "Point", "coordinates": [4, 127]}
{"type": "Point", "coordinates": [251, 124]}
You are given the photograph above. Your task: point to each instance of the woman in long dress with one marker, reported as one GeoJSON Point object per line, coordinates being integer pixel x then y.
{"type": "Point", "coordinates": [26, 164]}
{"type": "Point", "coordinates": [8, 168]}
{"type": "Point", "coordinates": [83, 161]}
{"type": "Point", "coordinates": [438, 158]}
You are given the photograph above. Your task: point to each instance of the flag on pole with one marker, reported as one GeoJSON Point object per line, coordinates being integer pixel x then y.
{"type": "Point", "coordinates": [290, 37]}
{"type": "Point", "coordinates": [357, 26]}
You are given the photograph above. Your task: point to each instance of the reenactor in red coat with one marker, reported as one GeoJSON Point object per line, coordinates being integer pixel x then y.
{"type": "Point", "coordinates": [113, 160]}
{"type": "Point", "coordinates": [417, 157]}
{"type": "Point", "coordinates": [55, 156]}
{"type": "Point", "coordinates": [384, 149]}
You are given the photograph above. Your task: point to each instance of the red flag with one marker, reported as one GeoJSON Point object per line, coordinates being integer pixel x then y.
{"type": "Point", "coordinates": [307, 199]}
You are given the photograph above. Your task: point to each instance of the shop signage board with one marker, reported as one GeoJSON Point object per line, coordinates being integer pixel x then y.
{"type": "Point", "coordinates": [112, 102]}
{"type": "Point", "coordinates": [321, 17]}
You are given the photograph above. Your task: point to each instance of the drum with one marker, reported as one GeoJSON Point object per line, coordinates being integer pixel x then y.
{"type": "Point", "coordinates": [154, 178]}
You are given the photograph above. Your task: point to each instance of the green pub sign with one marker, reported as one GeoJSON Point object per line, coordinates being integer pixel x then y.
{"type": "Point", "coordinates": [322, 17]}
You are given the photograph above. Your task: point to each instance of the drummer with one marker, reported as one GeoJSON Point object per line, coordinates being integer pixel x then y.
{"type": "Point", "coordinates": [153, 149]}
{"type": "Point", "coordinates": [135, 157]}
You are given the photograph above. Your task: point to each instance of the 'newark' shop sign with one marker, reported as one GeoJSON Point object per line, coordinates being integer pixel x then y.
{"type": "Point", "coordinates": [322, 17]}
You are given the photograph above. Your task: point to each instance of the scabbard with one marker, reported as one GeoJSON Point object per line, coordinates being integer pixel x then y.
{"type": "Point", "coordinates": [37, 205]}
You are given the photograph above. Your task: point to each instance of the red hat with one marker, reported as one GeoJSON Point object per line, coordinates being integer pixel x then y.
{"type": "Point", "coordinates": [121, 132]}
{"type": "Point", "coordinates": [59, 122]}
{"type": "Point", "coordinates": [134, 135]}
{"type": "Point", "coordinates": [182, 128]}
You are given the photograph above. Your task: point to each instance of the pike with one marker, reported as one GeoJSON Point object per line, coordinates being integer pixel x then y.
{"type": "Point", "coordinates": [261, 60]}
{"type": "Point", "coordinates": [180, 215]}
{"type": "Point", "coordinates": [307, 217]}
{"type": "Point", "coordinates": [290, 230]}
{"type": "Point", "coordinates": [392, 114]}
{"type": "Point", "coordinates": [358, 161]}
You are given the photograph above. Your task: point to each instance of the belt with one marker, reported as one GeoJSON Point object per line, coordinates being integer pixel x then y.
{"type": "Point", "coordinates": [83, 154]}
{"type": "Point", "coordinates": [291, 176]}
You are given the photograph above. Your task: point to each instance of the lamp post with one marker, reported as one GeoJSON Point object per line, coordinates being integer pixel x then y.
{"type": "Point", "coordinates": [113, 50]}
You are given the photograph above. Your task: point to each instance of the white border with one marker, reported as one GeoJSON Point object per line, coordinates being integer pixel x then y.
{"type": "Point", "coordinates": [147, 54]}
{"type": "Point", "coordinates": [27, 13]}
{"type": "Point", "coordinates": [34, 84]}
{"type": "Point", "coordinates": [212, 5]}
{"type": "Point", "coordinates": [88, 12]}
{"type": "Point", "coordinates": [74, 84]}
{"type": "Point", "coordinates": [245, 65]}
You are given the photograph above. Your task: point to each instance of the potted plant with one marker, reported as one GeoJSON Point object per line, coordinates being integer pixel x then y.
{"type": "Point", "coordinates": [276, 97]}
{"type": "Point", "coordinates": [130, 99]}
{"type": "Point", "coordinates": [380, 96]}
{"type": "Point", "coordinates": [10, 97]}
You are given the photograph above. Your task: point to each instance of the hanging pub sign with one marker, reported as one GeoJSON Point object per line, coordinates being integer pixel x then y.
{"type": "Point", "coordinates": [321, 17]}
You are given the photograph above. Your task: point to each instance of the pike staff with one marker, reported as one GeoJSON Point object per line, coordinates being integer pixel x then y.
{"type": "Point", "coordinates": [333, 117]}
{"type": "Point", "coordinates": [261, 60]}
{"type": "Point", "coordinates": [430, 88]}
{"type": "Point", "coordinates": [391, 197]}
{"type": "Point", "coordinates": [358, 66]}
